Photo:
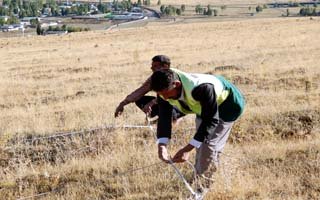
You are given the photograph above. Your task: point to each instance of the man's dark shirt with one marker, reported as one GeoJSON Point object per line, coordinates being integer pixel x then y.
{"type": "Point", "coordinates": [206, 95]}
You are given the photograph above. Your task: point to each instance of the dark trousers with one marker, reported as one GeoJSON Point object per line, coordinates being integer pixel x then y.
{"type": "Point", "coordinates": [176, 114]}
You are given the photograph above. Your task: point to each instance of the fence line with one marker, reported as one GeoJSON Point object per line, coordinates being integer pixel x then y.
{"type": "Point", "coordinates": [70, 134]}
{"type": "Point", "coordinates": [149, 126]}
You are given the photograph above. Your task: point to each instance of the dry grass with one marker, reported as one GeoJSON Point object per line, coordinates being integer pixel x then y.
{"type": "Point", "coordinates": [74, 82]}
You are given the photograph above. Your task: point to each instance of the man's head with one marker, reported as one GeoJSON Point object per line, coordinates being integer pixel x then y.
{"type": "Point", "coordinates": [160, 62]}
{"type": "Point", "coordinates": [166, 83]}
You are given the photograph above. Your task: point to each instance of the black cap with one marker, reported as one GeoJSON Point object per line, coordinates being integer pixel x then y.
{"type": "Point", "coordinates": [163, 59]}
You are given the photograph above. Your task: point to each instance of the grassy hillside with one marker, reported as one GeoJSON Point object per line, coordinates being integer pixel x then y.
{"type": "Point", "coordinates": [74, 82]}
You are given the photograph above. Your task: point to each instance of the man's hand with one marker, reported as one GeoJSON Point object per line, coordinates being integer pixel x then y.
{"type": "Point", "coordinates": [148, 107]}
{"type": "Point", "coordinates": [183, 154]}
{"type": "Point", "coordinates": [119, 110]}
{"type": "Point", "coordinates": [163, 153]}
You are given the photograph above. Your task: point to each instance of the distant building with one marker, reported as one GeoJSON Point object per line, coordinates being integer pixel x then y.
{"type": "Point", "coordinates": [12, 27]}
{"type": "Point", "coordinates": [48, 24]}
{"type": "Point", "coordinates": [28, 19]}
{"type": "Point", "coordinates": [136, 10]}
{"type": "Point", "coordinates": [128, 16]}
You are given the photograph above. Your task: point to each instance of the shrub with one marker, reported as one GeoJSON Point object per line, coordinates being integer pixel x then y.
{"type": "Point", "coordinates": [178, 11]}
{"type": "Point", "coordinates": [198, 9]}
{"type": "Point", "coordinates": [259, 8]}
{"type": "Point", "coordinates": [308, 11]}
{"type": "Point", "coordinates": [215, 12]}
{"type": "Point", "coordinates": [162, 8]}
{"type": "Point", "coordinates": [183, 7]}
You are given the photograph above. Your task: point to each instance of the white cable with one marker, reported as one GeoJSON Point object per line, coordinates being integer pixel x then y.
{"type": "Point", "coordinates": [182, 178]}
{"type": "Point", "coordinates": [65, 134]}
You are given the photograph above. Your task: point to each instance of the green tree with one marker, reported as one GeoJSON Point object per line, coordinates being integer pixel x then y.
{"type": "Point", "coordinates": [296, 4]}
{"type": "Point", "coordinates": [204, 12]}
{"type": "Point", "coordinates": [209, 11]}
{"type": "Point", "coordinates": [162, 8]}
{"type": "Point", "coordinates": [223, 7]}
{"type": "Point", "coordinates": [198, 9]}
{"type": "Point", "coordinates": [288, 12]}
{"type": "Point", "coordinates": [34, 9]}
{"type": "Point", "coordinates": [147, 2]}
{"type": "Point", "coordinates": [34, 22]}
{"type": "Point", "coordinates": [314, 12]}
{"type": "Point", "coordinates": [173, 10]}
{"type": "Point", "coordinates": [64, 27]}
{"type": "Point", "coordinates": [6, 2]}
{"type": "Point", "coordinates": [215, 12]}
{"type": "Point", "coordinates": [16, 10]}
{"type": "Point", "coordinates": [308, 11]}
{"type": "Point", "coordinates": [170, 10]}
{"type": "Point", "coordinates": [126, 5]}
{"type": "Point", "coordinates": [4, 11]}
{"type": "Point", "coordinates": [13, 20]}
{"type": "Point", "coordinates": [178, 11]}
{"type": "Point", "coordinates": [259, 8]}
{"type": "Point", "coordinates": [2, 21]}
{"type": "Point", "coordinates": [183, 8]}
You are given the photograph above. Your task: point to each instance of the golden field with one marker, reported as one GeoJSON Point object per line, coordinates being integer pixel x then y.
{"type": "Point", "coordinates": [68, 83]}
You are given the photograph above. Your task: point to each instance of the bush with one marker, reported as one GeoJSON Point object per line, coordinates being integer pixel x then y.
{"type": "Point", "coordinates": [209, 12]}
{"type": "Point", "coordinates": [198, 9]}
{"type": "Point", "coordinates": [162, 8]}
{"type": "Point", "coordinates": [71, 29]}
{"type": "Point", "coordinates": [183, 7]}
{"type": "Point", "coordinates": [34, 22]}
{"type": "Point", "coordinates": [170, 10]}
{"type": "Point", "coordinates": [259, 9]}
{"type": "Point", "coordinates": [178, 11]}
{"type": "Point", "coordinates": [13, 20]}
{"type": "Point", "coordinates": [215, 12]}
{"type": "Point", "coordinates": [308, 12]}
{"type": "Point", "coordinates": [2, 21]}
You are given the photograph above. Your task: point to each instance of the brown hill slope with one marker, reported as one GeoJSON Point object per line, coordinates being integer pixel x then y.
{"type": "Point", "coordinates": [74, 82]}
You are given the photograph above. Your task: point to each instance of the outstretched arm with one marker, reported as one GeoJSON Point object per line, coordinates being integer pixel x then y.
{"type": "Point", "coordinates": [134, 96]}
